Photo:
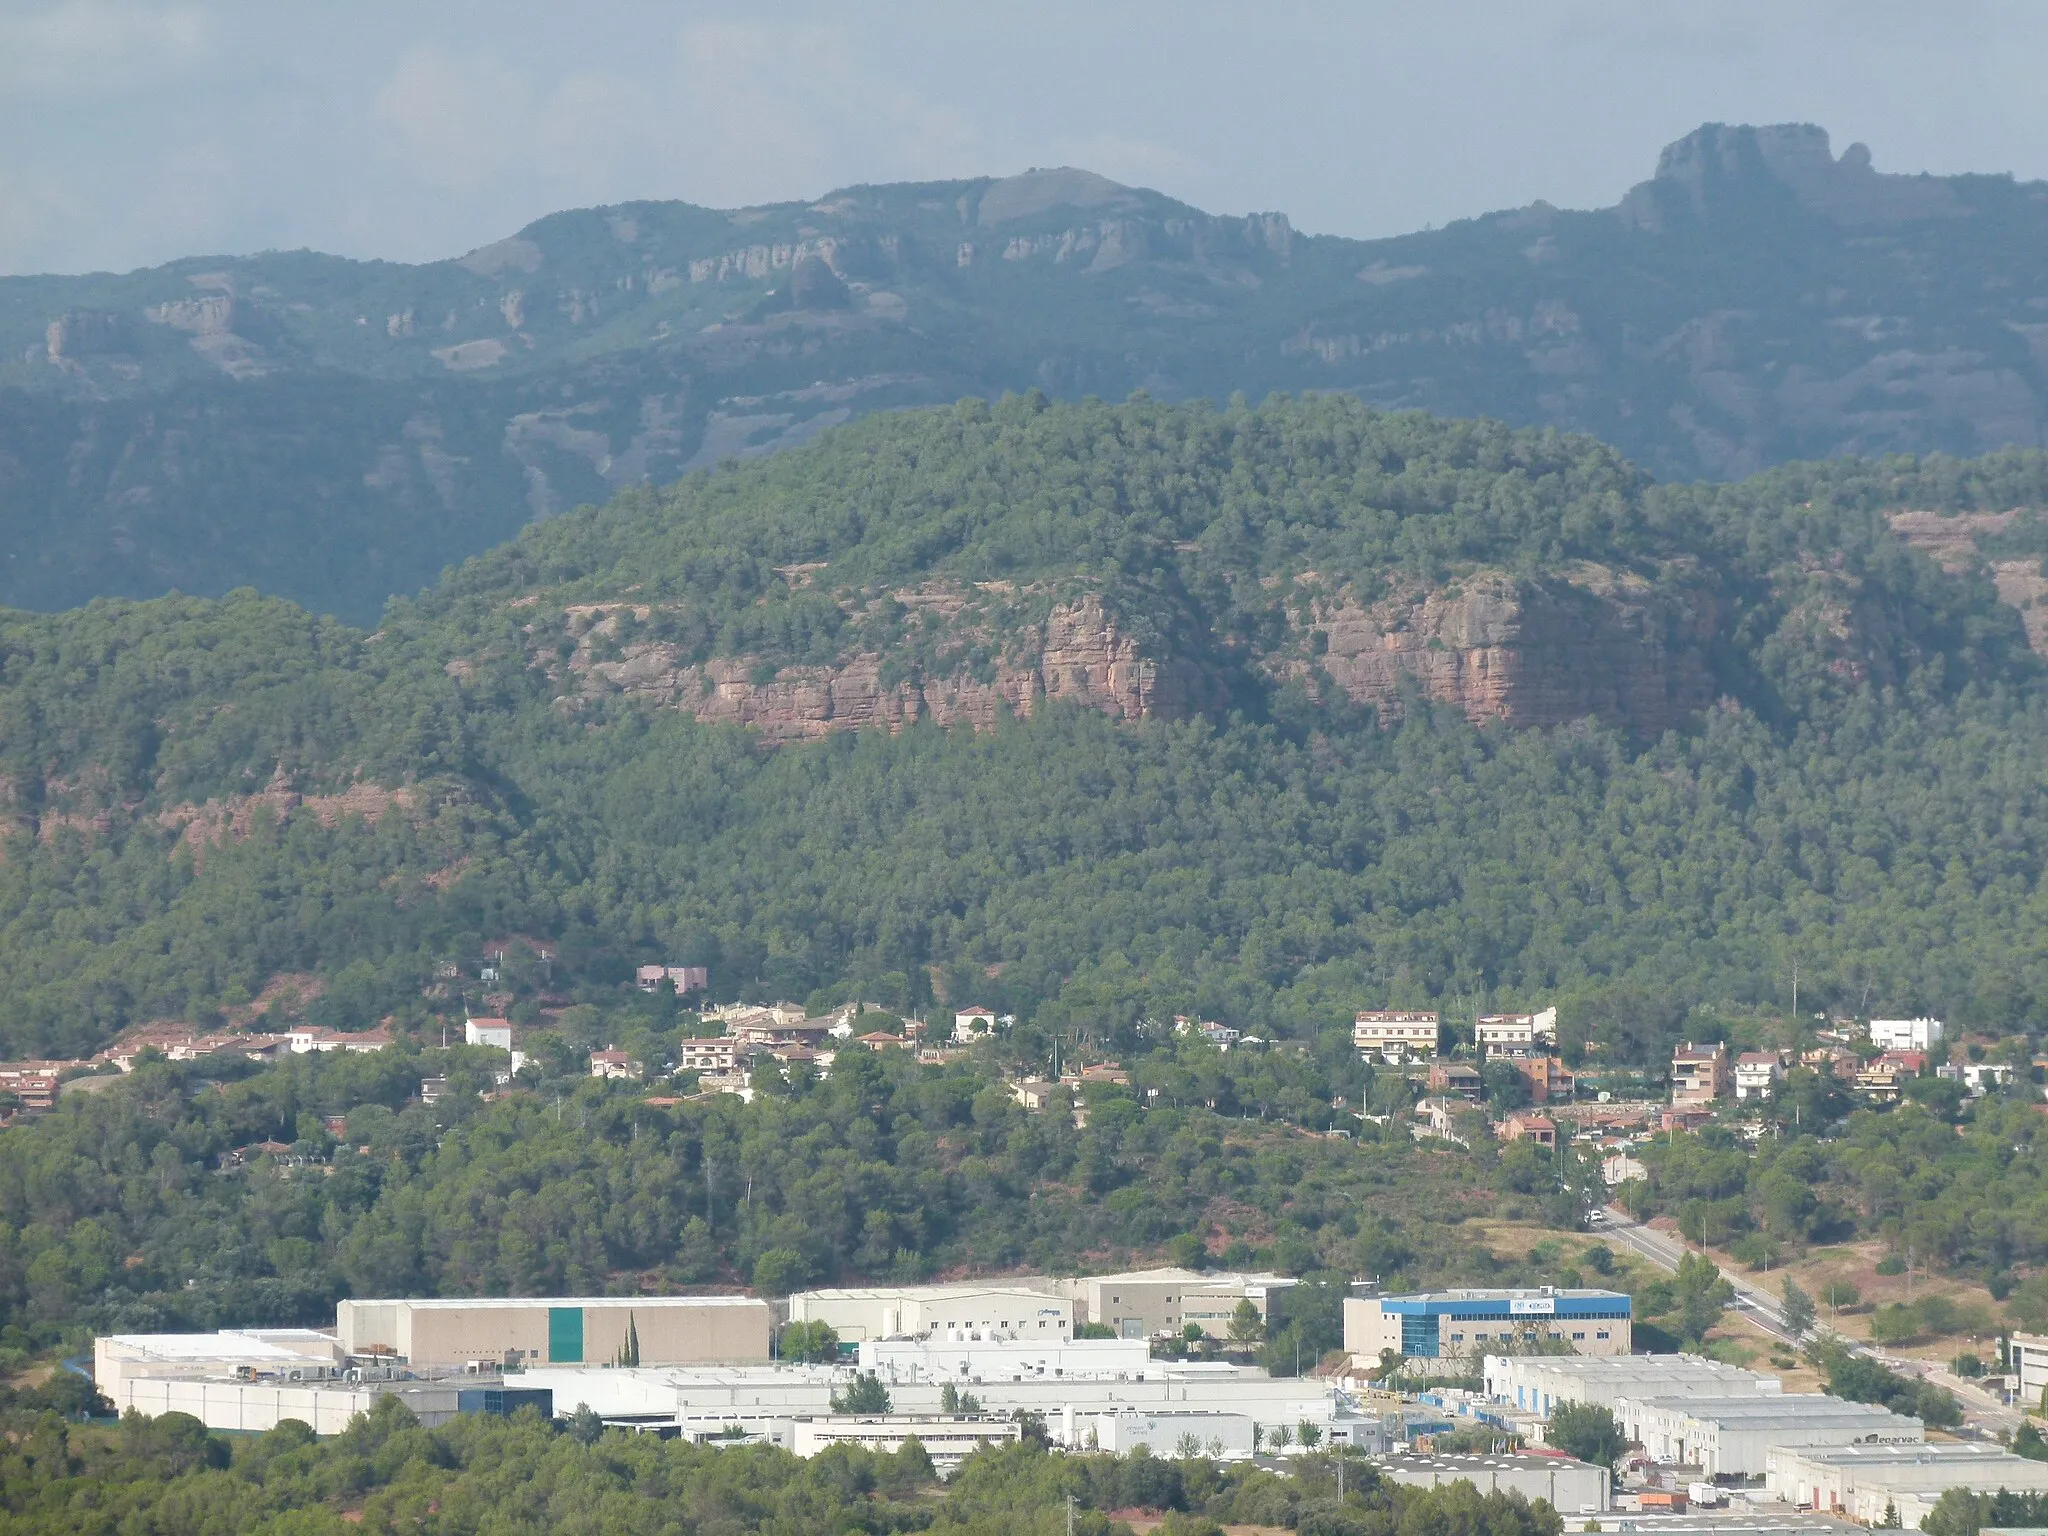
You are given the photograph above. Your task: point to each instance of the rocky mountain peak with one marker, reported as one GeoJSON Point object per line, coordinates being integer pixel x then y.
{"type": "Point", "coordinates": [1719, 169]}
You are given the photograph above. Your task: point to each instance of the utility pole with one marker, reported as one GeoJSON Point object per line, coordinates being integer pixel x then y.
{"type": "Point", "coordinates": [1070, 1515]}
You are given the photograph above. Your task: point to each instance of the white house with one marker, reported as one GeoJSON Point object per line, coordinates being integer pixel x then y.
{"type": "Point", "coordinates": [306, 1040]}
{"type": "Point", "coordinates": [615, 1066]}
{"type": "Point", "coordinates": [1515, 1034]}
{"type": "Point", "coordinates": [973, 1024]}
{"type": "Point", "coordinates": [492, 1032]}
{"type": "Point", "coordinates": [1980, 1077]}
{"type": "Point", "coordinates": [1906, 1034]}
{"type": "Point", "coordinates": [1757, 1074]}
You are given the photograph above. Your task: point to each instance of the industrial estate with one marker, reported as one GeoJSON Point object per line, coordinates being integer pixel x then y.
{"type": "Point", "coordinates": [965, 1365]}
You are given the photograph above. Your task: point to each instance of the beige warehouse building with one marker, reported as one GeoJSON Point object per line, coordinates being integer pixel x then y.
{"type": "Point", "coordinates": [587, 1330]}
{"type": "Point", "coordinates": [1141, 1304]}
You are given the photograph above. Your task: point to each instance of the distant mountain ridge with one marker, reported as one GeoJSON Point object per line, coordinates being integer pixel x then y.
{"type": "Point", "coordinates": [337, 431]}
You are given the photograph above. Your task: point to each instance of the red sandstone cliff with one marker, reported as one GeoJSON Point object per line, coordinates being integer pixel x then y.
{"type": "Point", "coordinates": [1078, 652]}
{"type": "Point", "coordinates": [1525, 653]}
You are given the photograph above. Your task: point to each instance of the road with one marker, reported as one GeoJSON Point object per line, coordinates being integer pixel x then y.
{"type": "Point", "coordinates": [1764, 1309]}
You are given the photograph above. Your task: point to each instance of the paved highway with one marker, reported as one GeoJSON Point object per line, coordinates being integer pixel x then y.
{"type": "Point", "coordinates": [1763, 1308]}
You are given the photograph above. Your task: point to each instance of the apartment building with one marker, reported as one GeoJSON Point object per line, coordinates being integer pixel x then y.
{"type": "Point", "coordinates": [1396, 1036]}
{"type": "Point", "coordinates": [1699, 1074]}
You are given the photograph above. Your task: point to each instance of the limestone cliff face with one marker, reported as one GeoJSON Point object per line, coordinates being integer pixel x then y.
{"type": "Point", "coordinates": [1522, 653]}
{"type": "Point", "coordinates": [1079, 653]}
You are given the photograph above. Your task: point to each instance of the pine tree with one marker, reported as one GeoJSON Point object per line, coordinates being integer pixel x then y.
{"type": "Point", "coordinates": [1797, 1309]}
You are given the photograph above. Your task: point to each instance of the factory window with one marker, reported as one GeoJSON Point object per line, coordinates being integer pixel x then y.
{"type": "Point", "coordinates": [1601, 1334]}
{"type": "Point", "coordinates": [1457, 1338]}
{"type": "Point", "coordinates": [1581, 1334]}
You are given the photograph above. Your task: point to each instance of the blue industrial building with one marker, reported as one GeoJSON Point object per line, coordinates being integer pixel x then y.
{"type": "Point", "coordinates": [1460, 1325]}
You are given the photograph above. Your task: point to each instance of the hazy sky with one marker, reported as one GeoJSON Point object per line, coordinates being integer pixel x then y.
{"type": "Point", "coordinates": [132, 131]}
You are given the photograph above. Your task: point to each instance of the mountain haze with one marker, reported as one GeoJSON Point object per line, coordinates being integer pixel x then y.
{"type": "Point", "coordinates": [335, 431]}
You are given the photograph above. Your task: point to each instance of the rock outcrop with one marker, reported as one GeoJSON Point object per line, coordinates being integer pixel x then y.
{"type": "Point", "coordinates": [1079, 654]}
{"type": "Point", "coordinates": [1523, 653]}
{"type": "Point", "coordinates": [232, 819]}
{"type": "Point", "coordinates": [1952, 539]}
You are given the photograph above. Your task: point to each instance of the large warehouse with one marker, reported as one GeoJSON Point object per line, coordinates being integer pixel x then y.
{"type": "Point", "coordinates": [587, 1330]}
{"type": "Point", "coordinates": [1457, 1326]}
{"type": "Point", "coordinates": [1730, 1436]}
{"type": "Point", "coordinates": [1537, 1383]}
{"type": "Point", "coordinates": [1572, 1487]}
{"type": "Point", "coordinates": [1866, 1482]}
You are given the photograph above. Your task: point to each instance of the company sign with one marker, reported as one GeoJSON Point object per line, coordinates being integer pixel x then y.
{"type": "Point", "coordinates": [1532, 1306]}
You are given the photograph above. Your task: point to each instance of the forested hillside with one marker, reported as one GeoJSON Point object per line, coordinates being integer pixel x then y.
{"type": "Point", "coordinates": [1251, 714]}
{"type": "Point", "coordinates": [1825, 747]}
{"type": "Point", "coordinates": [336, 431]}
{"type": "Point", "coordinates": [126, 1210]}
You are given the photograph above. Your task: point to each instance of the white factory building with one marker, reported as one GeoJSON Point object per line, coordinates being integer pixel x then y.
{"type": "Point", "coordinates": [961, 1314]}
{"type": "Point", "coordinates": [2029, 1354]}
{"type": "Point", "coordinates": [1731, 1436]}
{"type": "Point", "coordinates": [1537, 1383]}
{"type": "Point", "coordinates": [948, 1439]}
{"type": "Point", "coordinates": [279, 1354]}
{"type": "Point", "coordinates": [1861, 1482]}
{"type": "Point", "coordinates": [1014, 1360]}
{"type": "Point", "coordinates": [252, 1379]}
{"type": "Point", "coordinates": [767, 1401]}
{"type": "Point", "coordinates": [1572, 1487]}
{"type": "Point", "coordinates": [1219, 1435]}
